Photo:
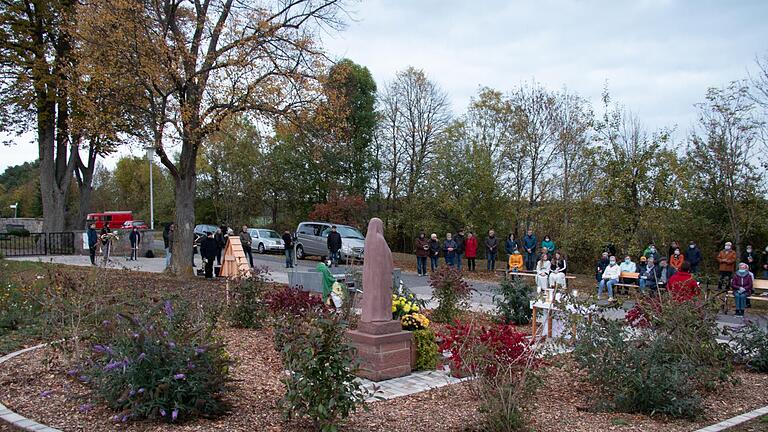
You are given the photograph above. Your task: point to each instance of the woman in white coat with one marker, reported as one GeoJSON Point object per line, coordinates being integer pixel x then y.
{"type": "Point", "coordinates": [543, 268]}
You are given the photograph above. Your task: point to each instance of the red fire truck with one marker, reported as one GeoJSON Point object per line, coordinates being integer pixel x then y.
{"type": "Point", "coordinates": [112, 219]}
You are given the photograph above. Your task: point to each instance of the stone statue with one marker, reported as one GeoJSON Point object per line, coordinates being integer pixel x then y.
{"type": "Point", "coordinates": [377, 275]}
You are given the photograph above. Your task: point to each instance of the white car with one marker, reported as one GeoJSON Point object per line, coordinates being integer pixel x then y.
{"type": "Point", "coordinates": [266, 240]}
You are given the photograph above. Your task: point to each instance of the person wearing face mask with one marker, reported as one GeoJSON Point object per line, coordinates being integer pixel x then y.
{"type": "Point", "coordinates": [664, 273]}
{"type": "Point", "coordinates": [726, 261]}
{"type": "Point", "coordinates": [673, 245]}
{"type": "Point", "coordinates": [470, 249]}
{"type": "Point", "coordinates": [765, 263]}
{"type": "Point", "coordinates": [422, 252]}
{"type": "Point", "coordinates": [602, 263]}
{"type": "Point", "coordinates": [750, 258]}
{"type": "Point", "coordinates": [515, 261]}
{"type": "Point", "coordinates": [741, 285]}
{"type": "Point", "coordinates": [693, 256]}
{"type": "Point", "coordinates": [449, 250]}
{"type": "Point", "coordinates": [627, 266]}
{"type": "Point", "coordinates": [610, 278]}
{"type": "Point", "coordinates": [510, 245]}
{"type": "Point", "coordinates": [676, 259]}
{"type": "Point", "coordinates": [434, 252]}
{"type": "Point", "coordinates": [650, 251]}
{"type": "Point", "coordinates": [548, 243]}
{"type": "Point", "coordinates": [647, 274]}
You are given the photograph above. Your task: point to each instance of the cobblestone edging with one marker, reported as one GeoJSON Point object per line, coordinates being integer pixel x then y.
{"type": "Point", "coordinates": [11, 417]}
{"type": "Point", "coordinates": [734, 421]}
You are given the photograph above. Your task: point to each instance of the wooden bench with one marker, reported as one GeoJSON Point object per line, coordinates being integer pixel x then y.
{"type": "Point", "coordinates": [526, 273]}
{"type": "Point", "coordinates": [759, 293]}
{"type": "Point", "coordinates": [628, 276]}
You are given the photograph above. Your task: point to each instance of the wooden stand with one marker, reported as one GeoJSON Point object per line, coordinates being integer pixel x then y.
{"type": "Point", "coordinates": [235, 264]}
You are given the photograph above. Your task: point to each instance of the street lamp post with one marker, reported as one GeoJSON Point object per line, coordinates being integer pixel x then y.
{"type": "Point", "coordinates": [15, 208]}
{"type": "Point", "coordinates": [150, 154]}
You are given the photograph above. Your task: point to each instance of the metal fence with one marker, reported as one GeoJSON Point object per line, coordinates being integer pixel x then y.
{"type": "Point", "coordinates": [37, 244]}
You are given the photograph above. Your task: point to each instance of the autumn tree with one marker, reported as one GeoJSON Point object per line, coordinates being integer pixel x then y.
{"type": "Point", "coordinates": [195, 64]}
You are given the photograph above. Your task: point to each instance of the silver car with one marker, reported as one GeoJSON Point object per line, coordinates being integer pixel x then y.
{"type": "Point", "coordinates": [312, 240]}
{"type": "Point", "coordinates": [266, 240]}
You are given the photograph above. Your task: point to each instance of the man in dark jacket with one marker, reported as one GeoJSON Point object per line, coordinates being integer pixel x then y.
{"type": "Point", "coordinates": [288, 243]}
{"type": "Point", "coordinates": [334, 246]}
{"type": "Point", "coordinates": [221, 242]}
{"type": "Point", "coordinates": [208, 248]}
{"type": "Point", "coordinates": [602, 263]}
{"type": "Point", "coordinates": [246, 241]}
{"type": "Point", "coordinates": [529, 247]}
{"type": "Point", "coordinates": [693, 256]}
{"type": "Point", "coordinates": [491, 249]}
{"type": "Point", "coordinates": [751, 258]}
{"type": "Point", "coordinates": [449, 250]}
{"type": "Point", "coordinates": [434, 252]}
{"type": "Point", "coordinates": [459, 239]}
{"type": "Point", "coordinates": [93, 241]}
{"type": "Point", "coordinates": [135, 239]}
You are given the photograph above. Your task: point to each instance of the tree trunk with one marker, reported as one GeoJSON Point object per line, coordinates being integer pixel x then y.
{"type": "Point", "coordinates": [53, 198]}
{"type": "Point", "coordinates": [84, 175]}
{"type": "Point", "coordinates": [186, 183]}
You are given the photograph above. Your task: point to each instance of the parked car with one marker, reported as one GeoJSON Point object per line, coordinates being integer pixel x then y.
{"type": "Point", "coordinates": [266, 240]}
{"type": "Point", "coordinates": [140, 224]}
{"type": "Point", "coordinates": [312, 240]}
{"type": "Point", "coordinates": [201, 229]}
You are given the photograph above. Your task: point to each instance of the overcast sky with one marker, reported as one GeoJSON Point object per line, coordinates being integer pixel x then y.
{"type": "Point", "coordinates": [658, 57]}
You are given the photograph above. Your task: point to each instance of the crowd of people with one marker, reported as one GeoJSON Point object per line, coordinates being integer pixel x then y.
{"type": "Point", "coordinates": [676, 270]}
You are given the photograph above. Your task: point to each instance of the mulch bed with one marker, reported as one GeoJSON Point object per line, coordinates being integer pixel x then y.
{"type": "Point", "coordinates": [562, 403]}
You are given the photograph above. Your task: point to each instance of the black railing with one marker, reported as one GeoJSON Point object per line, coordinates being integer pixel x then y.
{"type": "Point", "coordinates": [37, 244]}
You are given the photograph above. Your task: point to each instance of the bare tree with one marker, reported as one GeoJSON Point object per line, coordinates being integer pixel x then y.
{"type": "Point", "coordinates": [574, 121]}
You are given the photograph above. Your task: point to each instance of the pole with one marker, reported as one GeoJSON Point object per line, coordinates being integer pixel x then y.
{"type": "Point", "coordinates": [150, 154]}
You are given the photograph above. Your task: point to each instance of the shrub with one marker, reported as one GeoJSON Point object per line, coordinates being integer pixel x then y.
{"type": "Point", "coordinates": [321, 385]}
{"type": "Point", "coordinates": [289, 307]}
{"type": "Point", "coordinates": [513, 302]}
{"type": "Point", "coordinates": [247, 308]}
{"type": "Point", "coordinates": [162, 365]}
{"type": "Point", "coordinates": [414, 321]}
{"type": "Point", "coordinates": [661, 366]}
{"type": "Point", "coordinates": [502, 362]}
{"type": "Point", "coordinates": [451, 292]}
{"type": "Point", "coordinates": [751, 347]}
{"type": "Point", "coordinates": [426, 349]}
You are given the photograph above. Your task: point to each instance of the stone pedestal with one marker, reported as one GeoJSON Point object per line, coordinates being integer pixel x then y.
{"type": "Point", "coordinates": [383, 348]}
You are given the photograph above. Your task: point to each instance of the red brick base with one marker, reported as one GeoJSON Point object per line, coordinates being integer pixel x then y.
{"type": "Point", "coordinates": [384, 350]}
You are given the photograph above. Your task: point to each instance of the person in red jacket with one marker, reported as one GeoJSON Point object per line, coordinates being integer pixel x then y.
{"type": "Point", "coordinates": [682, 285]}
{"type": "Point", "coordinates": [470, 250]}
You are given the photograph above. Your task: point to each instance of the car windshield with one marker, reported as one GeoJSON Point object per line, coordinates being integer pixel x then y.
{"type": "Point", "coordinates": [268, 234]}
{"type": "Point", "coordinates": [138, 222]}
{"type": "Point", "coordinates": [200, 229]}
{"type": "Point", "coordinates": [348, 232]}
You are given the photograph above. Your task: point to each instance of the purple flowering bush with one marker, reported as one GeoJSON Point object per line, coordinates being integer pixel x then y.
{"type": "Point", "coordinates": [162, 365]}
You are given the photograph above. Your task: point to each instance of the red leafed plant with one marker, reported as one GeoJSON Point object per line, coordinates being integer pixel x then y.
{"type": "Point", "coordinates": [481, 350]}
{"type": "Point", "coordinates": [294, 302]}
{"type": "Point", "coordinates": [641, 315]}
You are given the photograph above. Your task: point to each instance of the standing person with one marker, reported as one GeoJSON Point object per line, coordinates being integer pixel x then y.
{"type": "Point", "coordinates": [529, 246]}
{"type": "Point", "coordinates": [221, 243]}
{"type": "Point", "coordinates": [765, 263]}
{"type": "Point", "coordinates": [671, 251]}
{"type": "Point", "coordinates": [168, 234]}
{"type": "Point", "coordinates": [609, 279]}
{"type": "Point", "coordinates": [93, 242]}
{"type": "Point", "coordinates": [106, 243]}
{"type": "Point", "coordinates": [449, 250]}
{"type": "Point", "coordinates": [288, 243]}
{"type": "Point", "coordinates": [741, 284]}
{"type": "Point", "coordinates": [676, 259]}
{"type": "Point", "coordinates": [246, 241]}
{"type": "Point", "coordinates": [491, 248]}
{"type": "Point", "coordinates": [334, 246]}
{"type": "Point", "coordinates": [208, 249]}
{"type": "Point", "coordinates": [135, 238]}
{"type": "Point", "coordinates": [651, 252]}
{"type": "Point", "coordinates": [510, 245]}
{"type": "Point", "coordinates": [548, 243]}
{"type": "Point", "coordinates": [471, 250]}
{"type": "Point", "coordinates": [422, 252]}
{"type": "Point", "coordinates": [543, 268]}
{"type": "Point", "coordinates": [559, 268]}
{"type": "Point", "coordinates": [434, 251]}
{"type": "Point", "coordinates": [693, 256]}
{"type": "Point", "coordinates": [460, 247]}
{"type": "Point", "coordinates": [750, 258]}
{"type": "Point", "coordinates": [726, 261]}
{"type": "Point", "coordinates": [602, 263]}
{"type": "Point", "coordinates": [682, 285]}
